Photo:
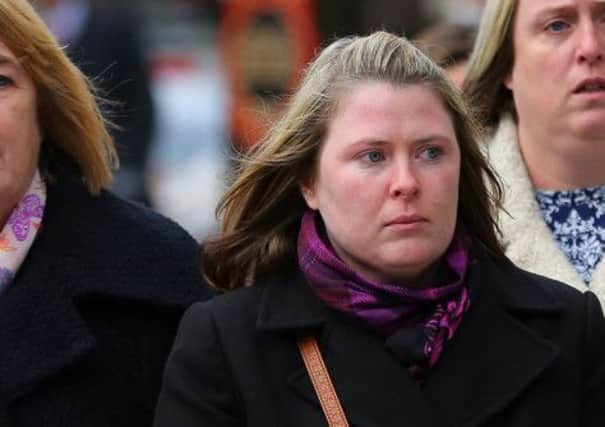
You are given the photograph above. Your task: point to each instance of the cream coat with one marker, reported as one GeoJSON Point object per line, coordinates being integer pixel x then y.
{"type": "Point", "coordinates": [527, 238]}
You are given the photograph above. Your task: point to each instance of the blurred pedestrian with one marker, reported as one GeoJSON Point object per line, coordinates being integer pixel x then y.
{"type": "Point", "coordinates": [450, 46]}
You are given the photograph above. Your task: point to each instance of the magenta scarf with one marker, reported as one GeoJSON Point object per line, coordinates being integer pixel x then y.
{"type": "Point", "coordinates": [434, 312]}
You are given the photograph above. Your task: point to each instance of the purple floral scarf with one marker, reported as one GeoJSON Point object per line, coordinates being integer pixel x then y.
{"type": "Point", "coordinates": [433, 312]}
{"type": "Point", "coordinates": [19, 232]}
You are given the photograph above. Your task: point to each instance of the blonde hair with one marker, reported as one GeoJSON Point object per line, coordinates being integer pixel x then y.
{"type": "Point", "coordinates": [491, 62]}
{"type": "Point", "coordinates": [261, 210]}
{"type": "Point", "coordinates": [73, 130]}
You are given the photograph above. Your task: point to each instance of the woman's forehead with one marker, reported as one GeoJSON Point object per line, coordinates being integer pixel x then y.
{"type": "Point", "coordinates": [546, 6]}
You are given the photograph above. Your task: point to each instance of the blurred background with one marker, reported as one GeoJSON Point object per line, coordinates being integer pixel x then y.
{"type": "Point", "coordinates": [190, 82]}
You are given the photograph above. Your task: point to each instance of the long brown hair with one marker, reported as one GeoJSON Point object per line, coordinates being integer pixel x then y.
{"type": "Point", "coordinates": [262, 208]}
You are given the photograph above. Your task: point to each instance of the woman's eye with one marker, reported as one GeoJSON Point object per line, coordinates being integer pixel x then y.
{"type": "Point", "coordinates": [5, 81]}
{"type": "Point", "coordinates": [374, 156]}
{"type": "Point", "coordinates": [432, 153]}
{"type": "Point", "coordinates": [557, 26]}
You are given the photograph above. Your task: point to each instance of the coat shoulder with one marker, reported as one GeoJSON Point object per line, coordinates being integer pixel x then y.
{"type": "Point", "coordinates": [234, 310]}
{"type": "Point", "coordinates": [128, 247]}
{"type": "Point", "coordinates": [536, 288]}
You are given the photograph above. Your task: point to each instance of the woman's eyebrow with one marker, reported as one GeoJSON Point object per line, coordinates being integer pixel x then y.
{"type": "Point", "coordinates": [548, 11]}
{"type": "Point", "coordinates": [6, 60]}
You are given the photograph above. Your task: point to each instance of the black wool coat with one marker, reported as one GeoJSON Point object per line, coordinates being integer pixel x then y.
{"type": "Point", "coordinates": [529, 352]}
{"type": "Point", "coordinates": [90, 317]}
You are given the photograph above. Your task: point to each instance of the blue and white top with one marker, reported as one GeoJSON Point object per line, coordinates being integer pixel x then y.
{"type": "Point", "coordinates": [577, 221]}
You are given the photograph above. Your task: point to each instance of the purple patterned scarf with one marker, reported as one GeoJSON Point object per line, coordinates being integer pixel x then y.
{"type": "Point", "coordinates": [18, 234]}
{"type": "Point", "coordinates": [433, 312]}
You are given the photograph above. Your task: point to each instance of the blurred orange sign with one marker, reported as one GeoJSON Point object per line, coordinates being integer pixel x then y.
{"type": "Point", "coordinates": [266, 44]}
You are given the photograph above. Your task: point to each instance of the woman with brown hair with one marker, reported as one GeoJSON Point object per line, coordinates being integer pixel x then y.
{"type": "Point", "coordinates": [366, 283]}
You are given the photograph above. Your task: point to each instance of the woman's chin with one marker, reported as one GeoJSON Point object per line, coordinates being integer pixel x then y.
{"type": "Point", "coordinates": [410, 270]}
{"type": "Point", "coordinates": [590, 125]}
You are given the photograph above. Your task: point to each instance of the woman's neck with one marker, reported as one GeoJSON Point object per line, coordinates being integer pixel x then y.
{"type": "Point", "coordinates": [563, 161]}
{"type": "Point", "coordinates": [8, 202]}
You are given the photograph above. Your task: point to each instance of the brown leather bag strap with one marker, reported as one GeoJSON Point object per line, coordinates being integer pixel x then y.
{"type": "Point", "coordinates": [322, 383]}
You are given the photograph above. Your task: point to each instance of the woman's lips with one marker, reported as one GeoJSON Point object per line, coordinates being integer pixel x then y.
{"type": "Point", "coordinates": [407, 222]}
{"type": "Point", "coordinates": [590, 85]}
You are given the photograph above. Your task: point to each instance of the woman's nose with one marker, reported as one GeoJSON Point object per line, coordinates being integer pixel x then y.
{"type": "Point", "coordinates": [404, 182]}
{"type": "Point", "coordinates": [591, 44]}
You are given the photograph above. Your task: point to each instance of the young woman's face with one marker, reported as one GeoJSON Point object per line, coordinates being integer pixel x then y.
{"type": "Point", "coordinates": [386, 183]}
{"type": "Point", "coordinates": [19, 131]}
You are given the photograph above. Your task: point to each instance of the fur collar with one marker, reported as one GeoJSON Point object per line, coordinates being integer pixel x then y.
{"type": "Point", "coordinates": [526, 237]}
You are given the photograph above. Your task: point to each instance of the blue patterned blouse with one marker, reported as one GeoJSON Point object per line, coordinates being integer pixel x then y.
{"type": "Point", "coordinates": [577, 221]}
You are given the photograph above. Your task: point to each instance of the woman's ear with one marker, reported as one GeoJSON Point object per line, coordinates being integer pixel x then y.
{"type": "Point", "coordinates": [307, 189]}
{"type": "Point", "coordinates": [508, 80]}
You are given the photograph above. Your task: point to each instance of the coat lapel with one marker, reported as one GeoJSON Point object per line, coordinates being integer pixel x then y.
{"type": "Point", "coordinates": [362, 370]}
{"type": "Point", "coordinates": [494, 356]}
{"type": "Point", "coordinates": [40, 327]}
{"type": "Point", "coordinates": [357, 361]}
{"type": "Point", "coordinates": [43, 331]}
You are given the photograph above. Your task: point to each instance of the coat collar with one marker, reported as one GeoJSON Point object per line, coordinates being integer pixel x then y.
{"type": "Point", "coordinates": [289, 304]}
{"type": "Point", "coordinates": [527, 238]}
{"type": "Point", "coordinates": [491, 333]}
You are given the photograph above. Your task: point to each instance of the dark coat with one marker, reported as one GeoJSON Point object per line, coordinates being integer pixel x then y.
{"type": "Point", "coordinates": [88, 322]}
{"type": "Point", "coordinates": [529, 352]}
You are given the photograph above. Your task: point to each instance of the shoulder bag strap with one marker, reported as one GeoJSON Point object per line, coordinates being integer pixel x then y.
{"type": "Point", "coordinates": [322, 383]}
